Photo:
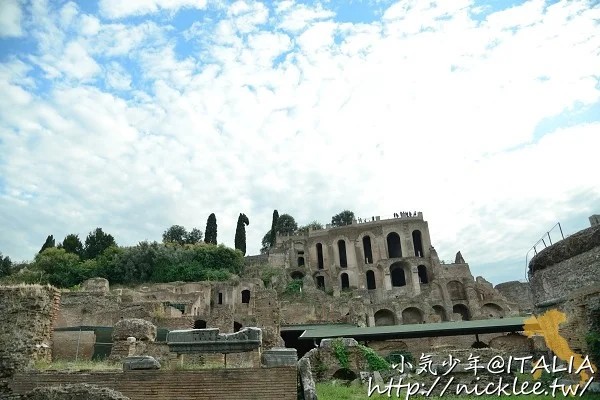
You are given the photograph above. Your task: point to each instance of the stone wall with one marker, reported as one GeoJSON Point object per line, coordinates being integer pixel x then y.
{"type": "Point", "coordinates": [517, 292]}
{"type": "Point", "coordinates": [566, 277]}
{"type": "Point", "coordinates": [28, 314]}
{"type": "Point", "coordinates": [73, 345]}
{"type": "Point", "coordinates": [223, 384]}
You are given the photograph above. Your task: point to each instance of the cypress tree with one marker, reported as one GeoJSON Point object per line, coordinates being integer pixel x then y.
{"type": "Point", "coordinates": [240, 233]}
{"type": "Point", "coordinates": [48, 243]}
{"type": "Point", "coordinates": [210, 234]}
{"type": "Point", "coordinates": [273, 227]}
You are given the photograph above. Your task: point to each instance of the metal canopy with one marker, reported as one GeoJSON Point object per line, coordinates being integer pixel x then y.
{"type": "Point", "coordinates": [514, 324]}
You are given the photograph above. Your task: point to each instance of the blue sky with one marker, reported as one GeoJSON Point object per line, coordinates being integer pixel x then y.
{"type": "Point", "coordinates": [134, 116]}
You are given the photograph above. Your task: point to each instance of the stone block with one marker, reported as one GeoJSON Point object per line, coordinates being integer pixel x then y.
{"type": "Point", "coordinates": [211, 341]}
{"type": "Point", "coordinates": [134, 327]}
{"type": "Point", "coordinates": [279, 357]}
{"type": "Point", "coordinates": [140, 363]}
{"type": "Point", "coordinates": [328, 343]}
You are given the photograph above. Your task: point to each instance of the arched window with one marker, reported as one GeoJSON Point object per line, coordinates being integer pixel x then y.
{"type": "Point", "coordinates": [246, 296]}
{"type": "Point", "coordinates": [417, 243]}
{"type": "Point", "coordinates": [412, 315]}
{"type": "Point", "coordinates": [371, 280]}
{"type": "Point", "coordinates": [345, 281]}
{"type": "Point", "coordinates": [368, 250]}
{"type": "Point", "coordinates": [300, 261]}
{"type": "Point", "coordinates": [342, 250]}
{"type": "Point", "coordinates": [439, 310]}
{"type": "Point", "coordinates": [394, 248]}
{"type": "Point", "coordinates": [397, 275]}
{"type": "Point", "coordinates": [320, 255]}
{"type": "Point", "coordinates": [422, 270]}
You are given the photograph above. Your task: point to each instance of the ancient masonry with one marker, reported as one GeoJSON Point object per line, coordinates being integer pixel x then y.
{"type": "Point", "coordinates": [566, 276]}
{"type": "Point", "coordinates": [373, 273]}
{"type": "Point", "coordinates": [28, 314]}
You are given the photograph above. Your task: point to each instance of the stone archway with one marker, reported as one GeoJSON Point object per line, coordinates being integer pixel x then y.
{"type": "Point", "coordinates": [384, 317]}
{"type": "Point", "coordinates": [412, 315]}
{"type": "Point", "coordinates": [491, 310]}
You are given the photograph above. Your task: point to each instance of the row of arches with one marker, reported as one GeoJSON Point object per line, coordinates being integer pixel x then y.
{"type": "Point", "coordinates": [413, 315]}
{"type": "Point", "coordinates": [394, 249]}
{"type": "Point", "coordinates": [397, 276]}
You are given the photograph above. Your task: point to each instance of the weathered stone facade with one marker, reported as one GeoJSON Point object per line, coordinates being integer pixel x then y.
{"type": "Point", "coordinates": [391, 266]}
{"type": "Point", "coordinates": [566, 276]}
{"type": "Point", "coordinates": [28, 313]}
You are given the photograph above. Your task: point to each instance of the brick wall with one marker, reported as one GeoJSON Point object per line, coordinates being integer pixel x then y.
{"type": "Point", "coordinates": [222, 384]}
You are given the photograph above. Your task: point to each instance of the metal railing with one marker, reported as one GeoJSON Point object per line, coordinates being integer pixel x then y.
{"type": "Point", "coordinates": [542, 241]}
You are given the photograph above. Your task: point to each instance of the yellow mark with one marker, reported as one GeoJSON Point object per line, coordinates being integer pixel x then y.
{"type": "Point", "coordinates": [547, 326]}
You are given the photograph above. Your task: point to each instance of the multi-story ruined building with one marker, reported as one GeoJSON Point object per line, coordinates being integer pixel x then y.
{"type": "Point", "coordinates": [392, 264]}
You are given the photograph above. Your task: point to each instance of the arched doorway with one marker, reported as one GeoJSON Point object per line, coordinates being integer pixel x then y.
{"type": "Point", "coordinates": [297, 275]}
{"type": "Point", "coordinates": [394, 247]}
{"type": "Point", "coordinates": [342, 251]}
{"type": "Point", "coordinates": [320, 255]}
{"type": "Point", "coordinates": [200, 324]}
{"type": "Point", "coordinates": [300, 261]}
{"type": "Point", "coordinates": [321, 282]}
{"type": "Point", "coordinates": [384, 317]}
{"type": "Point", "coordinates": [371, 280]}
{"type": "Point", "coordinates": [345, 281]}
{"type": "Point", "coordinates": [367, 249]}
{"type": "Point", "coordinates": [491, 310]}
{"type": "Point", "coordinates": [422, 270]}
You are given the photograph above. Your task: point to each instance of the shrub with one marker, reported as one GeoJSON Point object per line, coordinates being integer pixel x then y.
{"type": "Point", "coordinates": [396, 357]}
{"type": "Point", "coordinates": [376, 362]}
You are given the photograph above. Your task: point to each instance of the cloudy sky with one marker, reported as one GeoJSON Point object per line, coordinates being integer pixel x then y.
{"type": "Point", "coordinates": [137, 115]}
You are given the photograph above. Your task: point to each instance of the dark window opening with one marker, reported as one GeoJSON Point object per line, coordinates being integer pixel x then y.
{"type": "Point", "coordinates": [345, 281]}
{"type": "Point", "coordinates": [300, 261]}
{"type": "Point", "coordinates": [320, 255]}
{"type": "Point", "coordinates": [220, 298]}
{"type": "Point", "coordinates": [368, 250]}
{"type": "Point", "coordinates": [397, 275]}
{"type": "Point", "coordinates": [371, 280]}
{"type": "Point", "coordinates": [200, 324]}
{"type": "Point", "coordinates": [342, 250]}
{"type": "Point", "coordinates": [236, 326]}
{"type": "Point", "coordinates": [246, 296]}
{"type": "Point", "coordinates": [417, 243]}
{"type": "Point", "coordinates": [301, 253]}
{"type": "Point", "coordinates": [422, 270]}
{"type": "Point", "coordinates": [297, 275]}
{"type": "Point", "coordinates": [394, 248]}
{"type": "Point", "coordinates": [321, 282]}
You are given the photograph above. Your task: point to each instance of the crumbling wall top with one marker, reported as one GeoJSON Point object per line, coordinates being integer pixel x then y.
{"type": "Point", "coordinates": [580, 242]}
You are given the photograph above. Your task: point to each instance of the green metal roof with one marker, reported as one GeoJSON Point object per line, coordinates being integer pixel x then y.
{"type": "Point", "coordinates": [304, 327]}
{"type": "Point", "coordinates": [513, 324]}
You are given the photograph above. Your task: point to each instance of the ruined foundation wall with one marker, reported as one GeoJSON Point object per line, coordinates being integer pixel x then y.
{"type": "Point", "coordinates": [27, 313]}
{"type": "Point", "coordinates": [519, 293]}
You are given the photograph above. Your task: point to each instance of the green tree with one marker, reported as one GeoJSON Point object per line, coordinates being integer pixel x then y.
{"type": "Point", "coordinates": [175, 234]}
{"type": "Point", "coordinates": [96, 242]}
{"type": "Point", "coordinates": [342, 219]}
{"type": "Point", "coordinates": [240, 233]}
{"type": "Point", "coordinates": [266, 243]}
{"type": "Point", "coordinates": [315, 225]}
{"type": "Point", "coordinates": [5, 265]}
{"type": "Point", "coordinates": [63, 269]}
{"type": "Point", "coordinates": [48, 243]}
{"type": "Point", "coordinates": [194, 236]}
{"type": "Point", "coordinates": [286, 224]}
{"type": "Point", "coordinates": [211, 229]}
{"type": "Point", "coordinates": [273, 228]}
{"type": "Point", "coordinates": [72, 244]}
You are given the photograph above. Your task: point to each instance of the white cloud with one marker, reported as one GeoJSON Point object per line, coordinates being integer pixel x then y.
{"type": "Point", "coordinates": [10, 18]}
{"type": "Point", "coordinates": [121, 9]}
{"type": "Point", "coordinates": [379, 118]}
